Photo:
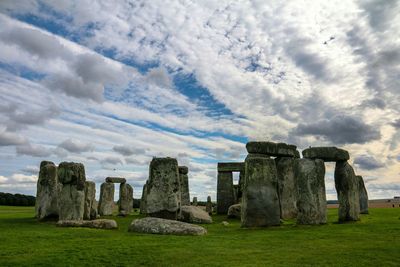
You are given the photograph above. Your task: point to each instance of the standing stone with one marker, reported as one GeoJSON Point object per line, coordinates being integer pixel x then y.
{"type": "Point", "coordinates": [240, 186]}
{"type": "Point", "coordinates": [94, 214]}
{"type": "Point", "coordinates": [143, 200]}
{"type": "Point", "coordinates": [347, 188]}
{"type": "Point", "coordinates": [209, 205]}
{"type": "Point", "coordinates": [47, 191]}
{"type": "Point", "coordinates": [125, 199]}
{"type": "Point", "coordinates": [163, 197]}
{"type": "Point", "coordinates": [225, 192]}
{"type": "Point", "coordinates": [194, 203]}
{"type": "Point", "coordinates": [90, 194]}
{"type": "Point", "coordinates": [287, 187]}
{"type": "Point", "coordinates": [106, 202]}
{"type": "Point", "coordinates": [184, 180]}
{"type": "Point", "coordinates": [311, 198]}
{"type": "Point", "coordinates": [72, 196]}
{"type": "Point", "coordinates": [260, 203]}
{"type": "Point", "coordinates": [363, 195]}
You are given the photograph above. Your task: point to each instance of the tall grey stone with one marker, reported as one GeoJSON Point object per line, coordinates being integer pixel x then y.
{"type": "Point", "coordinates": [347, 188]}
{"type": "Point", "coordinates": [143, 200]}
{"type": "Point", "coordinates": [125, 199]}
{"type": "Point", "coordinates": [72, 195]}
{"type": "Point", "coordinates": [209, 205]}
{"type": "Point", "coordinates": [184, 180]}
{"type": "Point", "coordinates": [260, 203]}
{"type": "Point", "coordinates": [106, 202]}
{"type": "Point", "coordinates": [163, 197]}
{"type": "Point", "coordinates": [90, 194]}
{"type": "Point", "coordinates": [311, 197]}
{"type": "Point", "coordinates": [194, 203]}
{"type": "Point", "coordinates": [225, 192]}
{"type": "Point", "coordinates": [363, 195]}
{"type": "Point", "coordinates": [94, 210]}
{"type": "Point", "coordinates": [47, 192]}
{"type": "Point", "coordinates": [287, 187]}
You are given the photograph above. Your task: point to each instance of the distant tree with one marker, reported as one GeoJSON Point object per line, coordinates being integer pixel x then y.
{"type": "Point", "coordinates": [16, 200]}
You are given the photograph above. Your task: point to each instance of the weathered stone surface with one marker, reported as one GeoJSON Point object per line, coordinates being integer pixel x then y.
{"type": "Point", "coordinates": [125, 199]}
{"type": "Point", "coordinates": [184, 181]}
{"type": "Point", "coordinates": [194, 203]}
{"type": "Point", "coordinates": [115, 180]}
{"type": "Point", "coordinates": [163, 197]}
{"type": "Point", "coordinates": [209, 208]}
{"type": "Point", "coordinates": [272, 149]}
{"type": "Point", "coordinates": [230, 166]}
{"type": "Point", "coordinates": [235, 211]}
{"type": "Point", "coordinates": [71, 200]}
{"type": "Point", "coordinates": [328, 154]}
{"type": "Point", "coordinates": [143, 200]}
{"type": "Point", "coordinates": [98, 224]}
{"type": "Point", "coordinates": [347, 188]}
{"type": "Point", "coordinates": [287, 187]}
{"type": "Point", "coordinates": [192, 214]}
{"type": "Point", "coordinates": [311, 198]}
{"type": "Point", "coordinates": [106, 202]}
{"type": "Point", "coordinates": [160, 226]}
{"type": "Point", "coordinates": [362, 191]}
{"type": "Point", "coordinates": [225, 194]}
{"type": "Point", "coordinates": [224, 223]}
{"type": "Point", "coordinates": [260, 203]}
{"type": "Point", "coordinates": [90, 194]}
{"type": "Point", "coordinates": [48, 189]}
{"type": "Point", "coordinates": [94, 214]}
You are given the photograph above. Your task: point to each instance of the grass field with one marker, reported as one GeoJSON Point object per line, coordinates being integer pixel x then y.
{"type": "Point", "coordinates": [374, 241]}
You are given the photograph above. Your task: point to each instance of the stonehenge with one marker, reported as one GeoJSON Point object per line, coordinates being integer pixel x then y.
{"type": "Point", "coordinates": [184, 181]}
{"type": "Point", "coordinates": [287, 186]}
{"type": "Point", "coordinates": [106, 202]}
{"type": "Point", "coordinates": [227, 193]}
{"type": "Point", "coordinates": [209, 208]}
{"type": "Point", "coordinates": [327, 154]}
{"type": "Point", "coordinates": [362, 191]}
{"type": "Point", "coordinates": [125, 199]}
{"type": "Point", "coordinates": [90, 209]}
{"type": "Point", "coordinates": [193, 214]}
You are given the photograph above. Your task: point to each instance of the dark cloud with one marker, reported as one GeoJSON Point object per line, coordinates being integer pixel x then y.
{"type": "Point", "coordinates": [31, 169]}
{"type": "Point", "coordinates": [368, 162]}
{"type": "Point", "coordinates": [340, 129]}
{"type": "Point", "coordinates": [380, 13]}
{"type": "Point", "coordinates": [21, 119]}
{"type": "Point", "coordinates": [129, 151]}
{"type": "Point", "coordinates": [11, 139]}
{"type": "Point", "coordinates": [396, 124]}
{"type": "Point", "coordinates": [375, 102]}
{"type": "Point", "coordinates": [32, 150]}
{"type": "Point", "coordinates": [76, 146]}
{"type": "Point", "coordinates": [111, 161]}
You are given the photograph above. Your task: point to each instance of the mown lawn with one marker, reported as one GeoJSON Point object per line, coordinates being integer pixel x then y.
{"type": "Point", "coordinates": [374, 241]}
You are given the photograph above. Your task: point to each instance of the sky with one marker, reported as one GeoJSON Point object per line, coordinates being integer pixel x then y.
{"type": "Point", "coordinates": [112, 84]}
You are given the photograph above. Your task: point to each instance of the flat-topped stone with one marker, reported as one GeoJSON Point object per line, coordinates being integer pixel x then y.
{"type": "Point", "coordinates": [230, 166]}
{"type": "Point", "coordinates": [329, 154]}
{"type": "Point", "coordinates": [115, 180]}
{"type": "Point", "coordinates": [272, 149]}
{"type": "Point", "coordinates": [152, 225]}
{"type": "Point", "coordinates": [98, 224]}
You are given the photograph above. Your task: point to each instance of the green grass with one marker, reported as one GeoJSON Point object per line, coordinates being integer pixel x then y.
{"type": "Point", "coordinates": [374, 241]}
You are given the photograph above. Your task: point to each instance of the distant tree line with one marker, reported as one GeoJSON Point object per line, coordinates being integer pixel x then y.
{"type": "Point", "coordinates": [8, 199]}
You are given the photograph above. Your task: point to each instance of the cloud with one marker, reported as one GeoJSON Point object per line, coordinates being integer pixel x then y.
{"type": "Point", "coordinates": [340, 129]}
{"type": "Point", "coordinates": [129, 151]}
{"type": "Point", "coordinates": [3, 179]}
{"type": "Point", "coordinates": [111, 161]}
{"type": "Point", "coordinates": [33, 170]}
{"type": "Point", "coordinates": [11, 139]}
{"type": "Point", "coordinates": [368, 162]}
{"type": "Point", "coordinates": [76, 146]}
{"type": "Point", "coordinates": [32, 150]}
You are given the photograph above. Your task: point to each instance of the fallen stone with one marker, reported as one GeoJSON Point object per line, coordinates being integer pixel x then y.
{"type": "Point", "coordinates": [272, 149]}
{"type": "Point", "coordinates": [225, 192]}
{"type": "Point", "coordinates": [287, 187]}
{"type": "Point", "coordinates": [115, 180]}
{"type": "Point", "coordinates": [48, 189]}
{"type": "Point", "coordinates": [90, 194]}
{"type": "Point", "coordinates": [224, 223]}
{"type": "Point", "coordinates": [98, 224]}
{"type": "Point", "coordinates": [328, 154]}
{"type": "Point", "coordinates": [125, 199]}
{"type": "Point", "coordinates": [72, 196]}
{"type": "Point", "coordinates": [209, 208]}
{"type": "Point", "coordinates": [106, 202]}
{"type": "Point", "coordinates": [363, 195]}
{"type": "Point", "coordinates": [192, 214]}
{"type": "Point", "coordinates": [151, 225]}
{"type": "Point", "coordinates": [184, 181]}
{"type": "Point", "coordinates": [234, 211]}
{"type": "Point", "coordinates": [311, 197]}
{"type": "Point", "coordinates": [347, 188]}
{"type": "Point", "coordinates": [163, 197]}
{"type": "Point", "coordinates": [260, 203]}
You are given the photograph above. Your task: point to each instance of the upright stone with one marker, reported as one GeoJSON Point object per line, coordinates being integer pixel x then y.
{"type": "Point", "coordinates": [287, 187]}
{"type": "Point", "coordinates": [72, 196]}
{"type": "Point", "coordinates": [363, 195]}
{"type": "Point", "coordinates": [125, 199]}
{"type": "Point", "coordinates": [143, 200]}
{"type": "Point", "coordinates": [209, 205]}
{"type": "Point", "coordinates": [163, 190]}
{"type": "Point", "coordinates": [311, 198]}
{"type": "Point", "coordinates": [260, 203]}
{"type": "Point", "coordinates": [94, 214]}
{"type": "Point", "coordinates": [47, 191]}
{"type": "Point", "coordinates": [347, 188]}
{"type": "Point", "coordinates": [225, 192]}
{"type": "Point", "coordinates": [194, 203]}
{"type": "Point", "coordinates": [106, 202]}
{"type": "Point", "coordinates": [184, 180]}
{"type": "Point", "coordinates": [90, 194]}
